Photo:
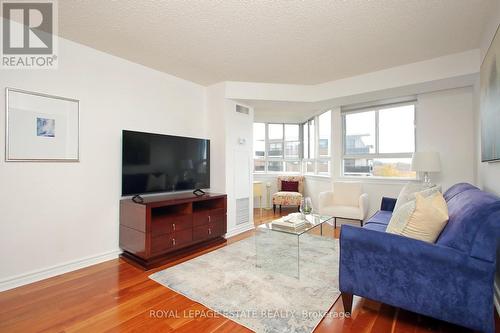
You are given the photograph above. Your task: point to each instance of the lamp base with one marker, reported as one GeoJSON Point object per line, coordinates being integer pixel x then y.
{"type": "Point", "coordinates": [427, 180]}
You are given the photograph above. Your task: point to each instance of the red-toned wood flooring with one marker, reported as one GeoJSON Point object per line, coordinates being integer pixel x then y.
{"type": "Point", "coordinates": [115, 296]}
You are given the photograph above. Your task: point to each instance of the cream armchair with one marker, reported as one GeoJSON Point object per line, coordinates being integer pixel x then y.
{"type": "Point", "coordinates": [346, 201]}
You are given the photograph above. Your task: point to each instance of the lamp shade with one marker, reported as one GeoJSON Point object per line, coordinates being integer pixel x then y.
{"type": "Point", "coordinates": [426, 162]}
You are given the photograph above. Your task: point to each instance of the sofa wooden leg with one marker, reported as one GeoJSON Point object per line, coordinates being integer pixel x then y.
{"type": "Point", "coordinates": [298, 208]}
{"type": "Point", "coordinates": [280, 209]}
{"type": "Point", "coordinates": [274, 209]}
{"type": "Point", "coordinates": [361, 221]}
{"type": "Point", "coordinates": [347, 301]}
{"type": "Point", "coordinates": [334, 223]}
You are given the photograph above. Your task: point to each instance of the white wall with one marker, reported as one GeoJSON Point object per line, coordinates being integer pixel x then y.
{"type": "Point", "coordinates": [445, 123]}
{"type": "Point", "coordinates": [239, 164]}
{"type": "Point", "coordinates": [227, 174]}
{"type": "Point", "coordinates": [67, 213]}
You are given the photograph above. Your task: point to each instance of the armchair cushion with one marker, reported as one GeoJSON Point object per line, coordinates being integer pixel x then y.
{"type": "Point", "coordinates": [347, 212]}
{"type": "Point", "coordinates": [289, 186]}
{"type": "Point", "coordinates": [299, 179]}
{"type": "Point", "coordinates": [287, 198]}
{"type": "Point", "coordinates": [346, 201]}
{"type": "Point", "coordinates": [347, 193]}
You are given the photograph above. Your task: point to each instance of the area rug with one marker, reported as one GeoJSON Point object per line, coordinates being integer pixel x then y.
{"type": "Point", "coordinates": [228, 282]}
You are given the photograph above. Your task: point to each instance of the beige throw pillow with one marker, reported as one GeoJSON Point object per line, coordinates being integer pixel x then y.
{"type": "Point", "coordinates": [423, 219]}
{"type": "Point", "coordinates": [408, 192]}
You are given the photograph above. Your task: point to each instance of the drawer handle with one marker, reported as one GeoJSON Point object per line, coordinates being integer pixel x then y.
{"type": "Point", "coordinates": [173, 226]}
{"type": "Point", "coordinates": [209, 231]}
{"type": "Point", "coordinates": [209, 218]}
{"type": "Point", "coordinates": [173, 241]}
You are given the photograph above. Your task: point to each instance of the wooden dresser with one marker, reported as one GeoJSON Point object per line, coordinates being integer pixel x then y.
{"type": "Point", "coordinates": [163, 228]}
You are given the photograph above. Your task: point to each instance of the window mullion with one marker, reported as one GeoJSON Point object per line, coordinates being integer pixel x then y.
{"type": "Point", "coordinates": [376, 133]}
{"type": "Point", "coordinates": [266, 153]}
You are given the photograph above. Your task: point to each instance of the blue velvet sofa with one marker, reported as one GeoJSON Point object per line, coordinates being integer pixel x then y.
{"type": "Point", "coordinates": [451, 280]}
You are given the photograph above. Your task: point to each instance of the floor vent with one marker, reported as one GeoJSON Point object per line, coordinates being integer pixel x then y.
{"type": "Point", "coordinates": [242, 211]}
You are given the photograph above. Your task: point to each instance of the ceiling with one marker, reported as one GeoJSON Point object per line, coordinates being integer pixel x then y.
{"type": "Point", "coordinates": [294, 41]}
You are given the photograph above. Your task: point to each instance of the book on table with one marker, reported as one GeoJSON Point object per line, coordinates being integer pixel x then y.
{"type": "Point", "coordinates": [294, 220]}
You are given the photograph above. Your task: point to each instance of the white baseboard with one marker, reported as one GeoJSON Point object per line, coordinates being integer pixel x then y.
{"type": "Point", "coordinates": [239, 229]}
{"type": "Point", "coordinates": [45, 273]}
{"type": "Point", "coordinates": [497, 298]}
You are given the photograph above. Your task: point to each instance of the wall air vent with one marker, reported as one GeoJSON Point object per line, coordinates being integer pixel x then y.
{"type": "Point", "coordinates": [242, 109]}
{"type": "Point", "coordinates": [242, 211]}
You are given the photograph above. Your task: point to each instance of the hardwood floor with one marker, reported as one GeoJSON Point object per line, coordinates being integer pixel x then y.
{"type": "Point", "coordinates": [117, 297]}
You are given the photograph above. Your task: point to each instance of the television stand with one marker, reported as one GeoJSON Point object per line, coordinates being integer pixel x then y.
{"type": "Point", "coordinates": [164, 228]}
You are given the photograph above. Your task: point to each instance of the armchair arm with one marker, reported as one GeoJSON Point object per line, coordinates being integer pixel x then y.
{"type": "Point", "coordinates": [325, 200]}
{"type": "Point", "coordinates": [363, 205]}
{"type": "Point", "coordinates": [426, 278]}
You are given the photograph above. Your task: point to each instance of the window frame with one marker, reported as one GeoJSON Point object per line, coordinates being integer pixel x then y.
{"type": "Point", "coordinates": [314, 139]}
{"type": "Point", "coordinates": [377, 155]}
{"type": "Point", "coordinates": [283, 159]}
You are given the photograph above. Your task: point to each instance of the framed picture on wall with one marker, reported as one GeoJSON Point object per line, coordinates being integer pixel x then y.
{"type": "Point", "coordinates": [41, 127]}
{"type": "Point", "coordinates": [490, 102]}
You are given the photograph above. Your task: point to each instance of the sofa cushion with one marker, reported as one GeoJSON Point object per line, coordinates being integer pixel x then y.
{"type": "Point", "coordinates": [380, 217]}
{"type": "Point", "coordinates": [469, 210]}
{"type": "Point", "coordinates": [400, 217]}
{"type": "Point", "coordinates": [376, 226]}
{"type": "Point", "coordinates": [407, 193]}
{"type": "Point", "coordinates": [428, 219]}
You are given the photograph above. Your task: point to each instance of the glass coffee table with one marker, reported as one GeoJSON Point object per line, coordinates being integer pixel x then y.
{"type": "Point", "coordinates": [277, 248]}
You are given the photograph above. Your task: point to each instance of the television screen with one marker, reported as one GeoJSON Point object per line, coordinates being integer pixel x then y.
{"type": "Point", "coordinates": [154, 163]}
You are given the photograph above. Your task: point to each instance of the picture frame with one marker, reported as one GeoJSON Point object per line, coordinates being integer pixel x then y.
{"type": "Point", "coordinates": [41, 127]}
{"type": "Point", "coordinates": [490, 102]}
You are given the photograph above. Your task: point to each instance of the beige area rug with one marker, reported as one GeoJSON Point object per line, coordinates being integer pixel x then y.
{"type": "Point", "coordinates": [265, 298]}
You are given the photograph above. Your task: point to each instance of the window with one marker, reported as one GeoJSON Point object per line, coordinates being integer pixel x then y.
{"type": "Point", "coordinates": [379, 141]}
{"type": "Point", "coordinates": [277, 147]}
{"type": "Point", "coordinates": [292, 141]}
{"type": "Point", "coordinates": [324, 143]}
{"type": "Point", "coordinates": [259, 147]}
{"type": "Point", "coordinates": [318, 144]}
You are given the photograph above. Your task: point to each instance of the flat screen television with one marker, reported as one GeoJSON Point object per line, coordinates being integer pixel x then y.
{"type": "Point", "coordinates": [153, 163]}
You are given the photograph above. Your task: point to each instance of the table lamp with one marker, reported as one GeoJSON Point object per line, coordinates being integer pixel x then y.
{"type": "Point", "coordinates": [426, 162]}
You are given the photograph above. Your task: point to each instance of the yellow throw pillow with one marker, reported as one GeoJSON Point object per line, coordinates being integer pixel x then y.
{"type": "Point", "coordinates": [428, 219]}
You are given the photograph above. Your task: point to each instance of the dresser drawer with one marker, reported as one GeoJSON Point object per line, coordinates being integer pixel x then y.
{"type": "Point", "coordinates": [160, 226]}
{"type": "Point", "coordinates": [209, 230]}
{"type": "Point", "coordinates": [201, 233]}
{"type": "Point", "coordinates": [181, 238]}
{"type": "Point", "coordinates": [208, 216]}
{"type": "Point", "coordinates": [161, 244]}
{"type": "Point", "coordinates": [169, 242]}
{"type": "Point", "coordinates": [201, 218]}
